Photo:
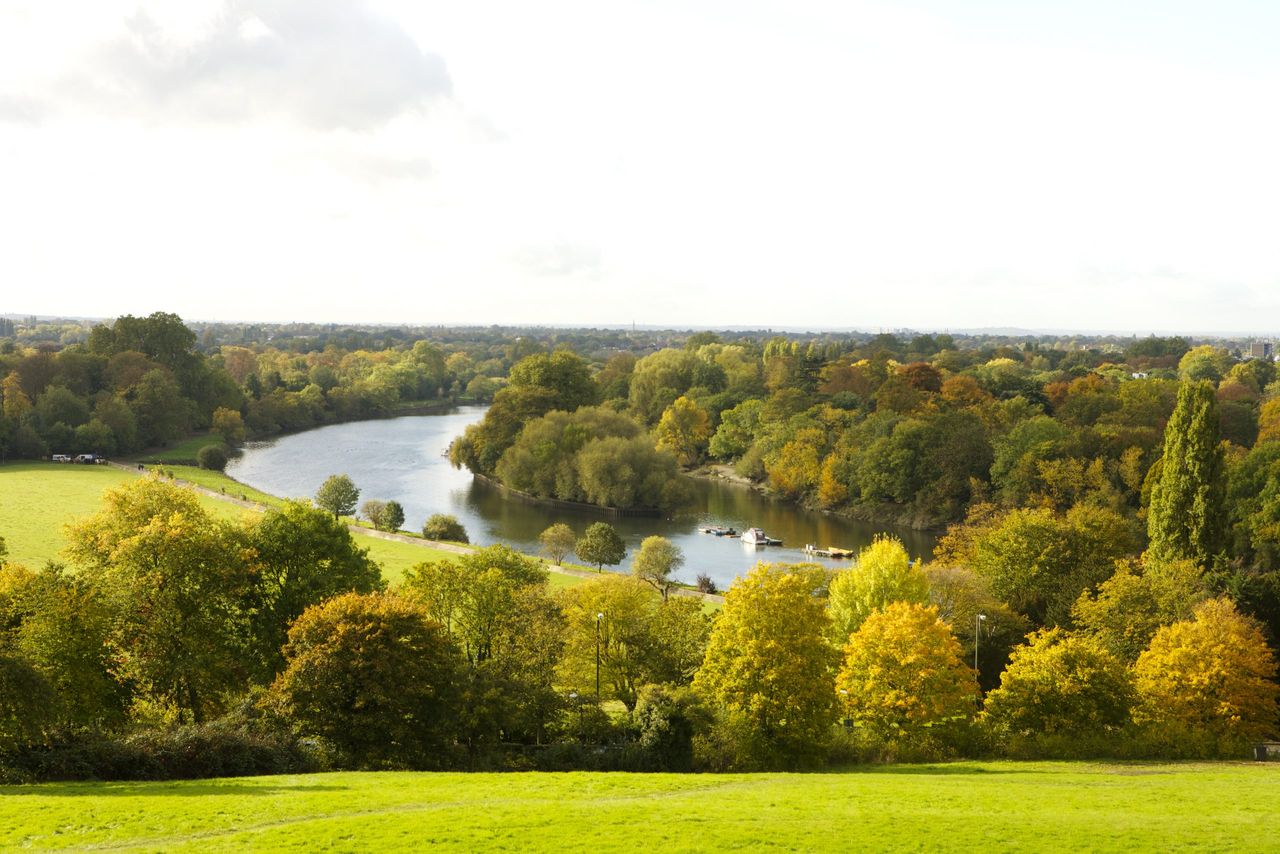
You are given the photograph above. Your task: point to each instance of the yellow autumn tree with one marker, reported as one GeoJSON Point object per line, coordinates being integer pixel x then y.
{"type": "Point", "coordinates": [903, 672]}
{"type": "Point", "coordinates": [882, 574]}
{"type": "Point", "coordinates": [1213, 673]}
{"type": "Point", "coordinates": [685, 430]}
{"type": "Point", "coordinates": [768, 667]}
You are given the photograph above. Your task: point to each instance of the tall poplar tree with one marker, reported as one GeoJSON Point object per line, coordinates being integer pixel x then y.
{"type": "Point", "coordinates": [1187, 517]}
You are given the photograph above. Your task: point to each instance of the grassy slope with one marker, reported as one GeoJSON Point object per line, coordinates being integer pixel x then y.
{"type": "Point", "coordinates": [38, 499]}
{"type": "Point", "coordinates": [963, 807]}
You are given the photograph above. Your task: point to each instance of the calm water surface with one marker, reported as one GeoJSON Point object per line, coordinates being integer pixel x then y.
{"type": "Point", "coordinates": [401, 459]}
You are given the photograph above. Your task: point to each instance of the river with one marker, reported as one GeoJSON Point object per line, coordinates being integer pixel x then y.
{"type": "Point", "coordinates": [401, 459]}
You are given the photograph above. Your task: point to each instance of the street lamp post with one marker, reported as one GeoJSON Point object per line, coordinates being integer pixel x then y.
{"type": "Point", "coordinates": [977, 634]}
{"type": "Point", "coordinates": [599, 617]}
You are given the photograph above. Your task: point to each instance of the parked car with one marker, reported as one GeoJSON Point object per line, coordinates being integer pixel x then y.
{"type": "Point", "coordinates": [60, 458]}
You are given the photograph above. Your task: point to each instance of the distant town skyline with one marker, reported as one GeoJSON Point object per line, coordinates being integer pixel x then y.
{"type": "Point", "coordinates": [921, 164]}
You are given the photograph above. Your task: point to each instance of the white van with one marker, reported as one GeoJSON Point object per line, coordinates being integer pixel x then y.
{"type": "Point", "coordinates": [60, 458]}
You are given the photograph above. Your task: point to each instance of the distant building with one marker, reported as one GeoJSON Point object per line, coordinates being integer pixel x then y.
{"type": "Point", "coordinates": [1259, 350]}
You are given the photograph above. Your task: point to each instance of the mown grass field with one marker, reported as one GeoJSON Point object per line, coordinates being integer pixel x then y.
{"type": "Point", "coordinates": [969, 807]}
{"type": "Point", "coordinates": [38, 499]}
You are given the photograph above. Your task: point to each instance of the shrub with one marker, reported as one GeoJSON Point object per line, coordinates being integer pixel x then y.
{"type": "Point", "coordinates": [705, 584]}
{"type": "Point", "coordinates": [212, 457]}
{"type": "Point", "coordinates": [442, 526]}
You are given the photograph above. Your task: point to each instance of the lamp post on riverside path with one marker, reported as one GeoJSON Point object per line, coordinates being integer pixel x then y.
{"type": "Point", "coordinates": [599, 617]}
{"type": "Point", "coordinates": [977, 633]}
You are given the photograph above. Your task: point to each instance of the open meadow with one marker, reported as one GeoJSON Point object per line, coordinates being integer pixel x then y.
{"type": "Point", "coordinates": [989, 806]}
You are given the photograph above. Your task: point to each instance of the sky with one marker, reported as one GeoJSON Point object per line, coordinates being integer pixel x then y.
{"type": "Point", "coordinates": [940, 164]}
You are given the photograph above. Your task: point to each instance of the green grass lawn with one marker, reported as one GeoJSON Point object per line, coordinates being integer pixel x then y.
{"type": "Point", "coordinates": [970, 807]}
{"type": "Point", "coordinates": [183, 451]}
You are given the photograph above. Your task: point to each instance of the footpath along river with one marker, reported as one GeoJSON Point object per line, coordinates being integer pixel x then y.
{"type": "Point", "coordinates": [401, 459]}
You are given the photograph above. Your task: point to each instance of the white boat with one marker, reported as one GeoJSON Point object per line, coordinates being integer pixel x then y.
{"type": "Point", "coordinates": [757, 537]}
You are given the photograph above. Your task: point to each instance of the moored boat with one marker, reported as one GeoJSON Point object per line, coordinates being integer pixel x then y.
{"type": "Point", "coordinates": [757, 537]}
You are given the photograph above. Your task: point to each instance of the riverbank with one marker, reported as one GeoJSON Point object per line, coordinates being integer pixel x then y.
{"type": "Point", "coordinates": [888, 515]}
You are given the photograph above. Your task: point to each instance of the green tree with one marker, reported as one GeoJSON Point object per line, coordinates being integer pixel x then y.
{"type": "Point", "coordinates": [1061, 684]}
{"type": "Point", "coordinates": [564, 374]}
{"type": "Point", "coordinates": [1131, 605]}
{"type": "Point", "coordinates": [902, 673]}
{"type": "Point", "coordinates": [768, 667]}
{"type": "Point", "coordinates": [982, 623]}
{"type": "Point", "coordinates": [522, 570]}
{"type": "Point", "coordinates": [444, 527]}
{"type": "Point", "coordinates": [1039, 561]}
{"type": "Point", "coordinates": [175, 581]}
{"type": "Point", "coordinates": [304, 556]}
{"type": "Point", "coordinates": [212, 457]}
{"type": "Point", "coordinates": [882, 574]}
{"type": "Point", "coordinates": [61, 626]}
{"type": "Point", "coordinates": [392, 516]}
{"type": "Point", "coordinates": [600, 545]}
{"type": "Point", "coordinates": [1213, 673]}
{"type": "Point", "coordinates": [376, 677]}
{"type": "Point", "coordinates": [639, 638]}
{"type": "Point", "coordinates": [26, 702]}
{"type": "Point", "coordinates": [656, 561]}
{"type": "Point", "coordinates": [338, 494]}
{"type": "Point", "coordinates": [1187, 516]}
{"type": "Point", "coordinates": [557, 542]}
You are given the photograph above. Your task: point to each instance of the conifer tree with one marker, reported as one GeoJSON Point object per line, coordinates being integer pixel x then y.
{"type": "Point", "coordinates": [1187, 516]}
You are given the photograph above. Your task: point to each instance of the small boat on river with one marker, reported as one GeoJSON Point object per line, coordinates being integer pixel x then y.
{"type": "Point", "coordinates": [757, 537]}
{"type": "Point", "coordinates": [718, 531]}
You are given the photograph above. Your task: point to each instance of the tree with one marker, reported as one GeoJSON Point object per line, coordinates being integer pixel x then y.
{"type": "Point", "coordinates": [685, 429]}
{"type": "Point", "coordinates": [444, 527]}
{"type": "Point", "coordinates": [882, 574]}
{"type": "Point", "coordinates": [519, 569]}
{"type": "Point", "coordinates": [618, 472]}
{"type": "Point", "coordinates": [212, 457]}
{"type": "Point", "coordinates": [338, 495]}
{"type": "Point", "coordinates": [1061, 684]}
{"type": "Point", "coordinates": [1213, 673]}
{"type": "Point", "coordinates": [655, 562]}
{"type": "Point", "coordinates": [373, 510]}
{"type": "Point", "coordinates": [903, 672]}
{"type": "Point", "coordinates": [392, 516]}
{"type": "Point", "coordinates": [1187, 516]}
{"type": "Point", "coordinates": [557, 542]}
{"type": "Point", "coordinates": [375, 676]}
{"type": "Point", "coordinates": [61, 626]}
{"type": "Point", "coordinates": [26, 700]}
{"type": "Point", "coordinates": [1039, 561]}
{"type": "Point", "coordinates": [600, 545]}
{"type": "Point", "coordinates": [304, 556]}
{"type": "Point", "coordinates": [639, 638]}
{"type": "Point", "coordinates": [175, 581]}
{"type": "Point", "coordinates": [229, 424]}
{"type": "Point", "coordinates": [1133, 604]}
{"type": "Point", "coordinates": [982, 623]}
{"type": "Point", "coordinates": [768, 666]}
